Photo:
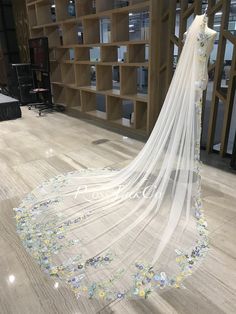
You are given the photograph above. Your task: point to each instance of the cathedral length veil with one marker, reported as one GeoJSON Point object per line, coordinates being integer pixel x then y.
{"type": "Point", "coordinates": [125, 233]}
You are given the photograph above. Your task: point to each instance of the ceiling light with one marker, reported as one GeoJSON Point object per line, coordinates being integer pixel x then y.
{"type": "Point", "coordinates": [56, 285]}
{"type": "Point", "coordinates": [11, 278]}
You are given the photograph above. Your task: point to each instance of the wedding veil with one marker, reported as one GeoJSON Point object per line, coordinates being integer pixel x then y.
{"type": "Point", "coordinates": [124, 233]}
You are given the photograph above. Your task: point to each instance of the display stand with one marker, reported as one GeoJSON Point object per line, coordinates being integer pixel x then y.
{"type": "Point", "coordinates": [108, 27]}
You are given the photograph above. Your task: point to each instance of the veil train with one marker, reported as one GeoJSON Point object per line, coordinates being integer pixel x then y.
{"type": "Point", "coordinates": [111, 233]}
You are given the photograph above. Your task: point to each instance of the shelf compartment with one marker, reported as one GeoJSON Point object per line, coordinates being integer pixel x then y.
{"type": "Point", "coordinates": [62, 12]}
{"type": "Point", "coordinates": [105, 30]}
{"type": "Point", "coordinates": [119, 110]}
{"type": "Point", "coordinates": [113, 108]}
{"type": "Point", "coordinates": [43, 13]}
{"type": "Point", "coordinates": [68, 73]}
{"type": "Point", "coordinates": [52, 54]}
{"type": "Point", "coordinates": [94, 104]}
{"type": "Point", "coordinates": [140, 115]}
{"type": "Point", "coordinates": [84, 7]}
{"type": "Point", "coordinates": [73, 97]}
{"type": "Point", "coordinates": [83, 74]}
{"type": "Point", "coordinates": [101, 103]}
{"type": "Point", "coordinates": [34, 33]}
{"type": "Point", "coordinates": [55, 70]}
{"type": "Point", "coordinates": [142, 80]}
{"type": "Point", "coordinates": [32, 18]}
{"type": "Point", "coordinates": [104, 5]}
{"type": "Point", "coordinates": [136, 53]}
{"type": "Point", "coordinates": [88, 101]}
{"type": "Point", "coordinates": [134, 79]}
{"type": "Point", "coordinates": [128, 80]}
{"type": "Point", "coordinates": [72, 33]}
{"type": "Point", "coordinates": [133, 2]}
{"type": "Point", "coordinates": [59, 95]}
{"type": "Point", "coordinates": [116, 77]}
{"type": "Point", "coordinates": [91, 31]}
{"type": "Point", "coordinates": [53, 34]}
{"type": "Point", "coordinates": [122, 54]}
{"type": "Point", "coordinates": [109, 54]}
{"type": "Point", "coordinates": [139, 26]}
{"type": "Point", "coordinates": [82, 54]}
{"type": "Point", "coordinates": [104, 77]}
{"type": "Point", "coordinates": [95, 54]}
{"type": "Point", "coordinates": [120, 27]}
{"type": "Point", "coordinates": [65, 54]}
{"type": "Point", "coordinates": [120, 4]}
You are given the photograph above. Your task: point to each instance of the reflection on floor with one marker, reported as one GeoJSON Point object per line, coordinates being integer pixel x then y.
{"type": "Point", "coordinates": [33, 149]}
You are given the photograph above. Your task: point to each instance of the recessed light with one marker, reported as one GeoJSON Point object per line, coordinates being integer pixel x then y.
{"type": "Point", "coordinates": [11, 278]}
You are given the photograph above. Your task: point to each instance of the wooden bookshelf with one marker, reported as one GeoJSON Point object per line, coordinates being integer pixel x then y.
{"type": "Point", "coordinates": [115, 72]}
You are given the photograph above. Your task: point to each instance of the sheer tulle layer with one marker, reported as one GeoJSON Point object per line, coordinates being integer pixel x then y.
{"type": "Point", "coordinates": [115, 234]}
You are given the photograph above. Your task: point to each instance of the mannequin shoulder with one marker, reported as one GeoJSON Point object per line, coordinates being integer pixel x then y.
{"type": "Point", "coordinates": [211, 33]}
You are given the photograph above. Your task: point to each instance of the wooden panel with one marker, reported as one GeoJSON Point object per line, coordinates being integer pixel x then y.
{"type": "Point", "coordinates": [140, 115]}
{"type": "Point", "coordinates": [39, 32]}
{"type": "Point", "coordinates": [73, 97]}
{"type": "Point", "coordinates": [55, 69]}
{"type": "Point", "coordinates": [128, 80]}
{"type": "Point", "coordinates": [58, 93]}
{"type": "Point", "coordinates": [104, 77]}
{"type": "Point", "coordinates": [68, 73]}
{"type": "Point", "coordinates": [62, 10]}
{"type": "Point", "coordinates": [109, 54]}
{"type": "Point", "coordinates": [224, 6]}
{"type": "Point", "coordinates": [84, 7]}
{"type": "Point", "coordinates": [155, 84]}
{"type": "Point", "coordinates": [70, 34]}
{"type": "Point", "coordinates": [82, 54]}
{"type": "Point", "coordinates": [43, 13]}
{"type": "Point", "coordinates": [228, 106]}
{"type": "Point", "coordinates": [113, 108]}
{"type": "Point", "coordinates": [83, 74]}
{"type": "Point", "coordinates": [91, 31]}
{"type": "Point", "coordinates": [88, 101]}
{"type": "Point", "coordinates": [53, 36]}
{"type": "Point", "coordinates": [32, 16]}
{"type": "Point", "coordinates": [120, 27]}
{"type": "Point", "coordinates": [136, 53]}
{"type": "Point", "coordinates": [103, 5]}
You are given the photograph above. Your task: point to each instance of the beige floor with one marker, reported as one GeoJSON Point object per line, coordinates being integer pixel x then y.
{"type": "Point", "coordinates": [35, 148]}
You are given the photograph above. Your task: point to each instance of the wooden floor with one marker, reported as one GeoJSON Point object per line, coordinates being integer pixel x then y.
{"type": "Point", "coordinates": [33, 149]}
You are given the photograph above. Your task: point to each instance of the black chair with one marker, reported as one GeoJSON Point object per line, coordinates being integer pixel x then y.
{"type": "Point", "coordinates": [42, 92]}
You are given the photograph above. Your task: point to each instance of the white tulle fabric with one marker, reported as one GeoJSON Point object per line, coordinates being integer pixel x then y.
{"type": "Point", "coordinates": [111, 233]}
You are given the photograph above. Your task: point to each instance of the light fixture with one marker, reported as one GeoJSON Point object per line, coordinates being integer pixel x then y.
{"type": "Point", "coordinates": [11, 278]}
{"type": "Point", "coordinates": [130, 14]}
{"type": "Point", "coordinates": [56, 285]}
{"type": "Point", "coordinates": [218, 13]}
{"type": "Point", "coordinates": [131, 25]}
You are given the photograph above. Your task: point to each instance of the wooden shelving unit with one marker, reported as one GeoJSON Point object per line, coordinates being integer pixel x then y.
{"type": "Point", "coordinates": [71, 40]}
